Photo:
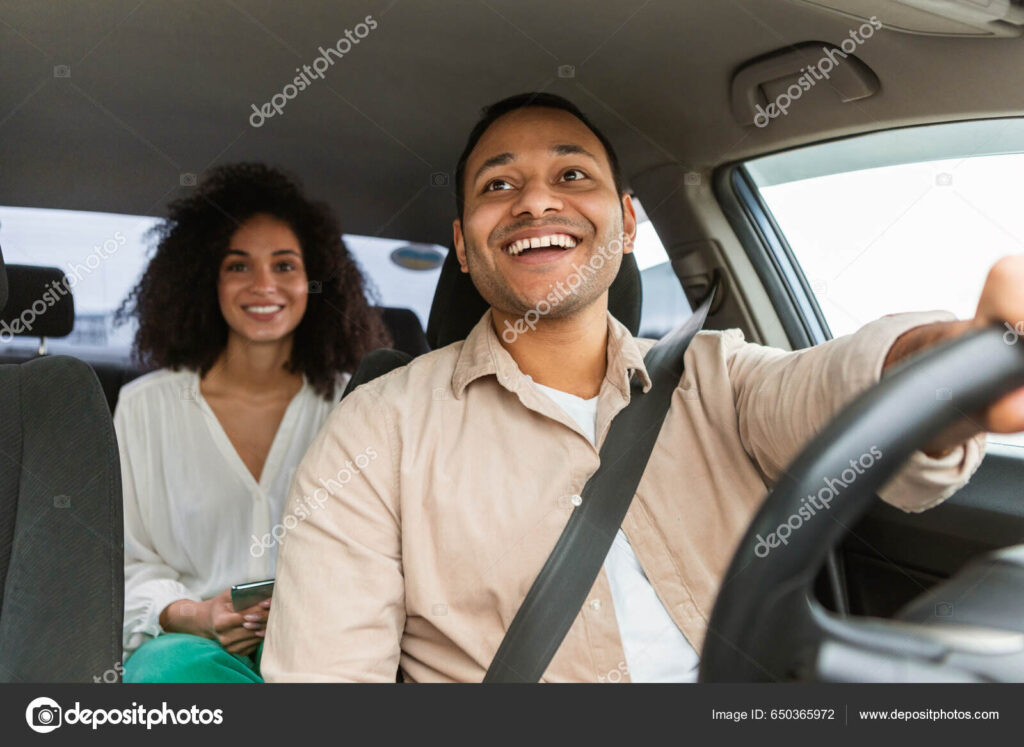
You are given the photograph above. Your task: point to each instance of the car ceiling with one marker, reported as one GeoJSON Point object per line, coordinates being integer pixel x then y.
{"type": "Point", "coordinates": [160, 90]}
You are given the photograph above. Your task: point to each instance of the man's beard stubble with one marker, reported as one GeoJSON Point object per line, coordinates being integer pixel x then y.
{"type": "Point", "coordinates": [491, 286]}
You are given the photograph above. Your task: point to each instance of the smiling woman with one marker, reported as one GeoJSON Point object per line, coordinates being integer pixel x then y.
{"type": "Point", "coordinates": [255, 314]}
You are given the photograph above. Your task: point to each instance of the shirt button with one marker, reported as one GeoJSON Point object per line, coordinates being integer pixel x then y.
{"type": "Point", "coordinates": [595, 604]}
{"type": "Point", "coordinates": [576, 499]}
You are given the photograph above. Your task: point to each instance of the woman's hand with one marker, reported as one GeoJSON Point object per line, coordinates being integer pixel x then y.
{"type": "Point", "coordinates": [238, 632]}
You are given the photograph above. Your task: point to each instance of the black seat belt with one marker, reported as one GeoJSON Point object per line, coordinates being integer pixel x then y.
{"type": "Point", "coordinates": [561, 587]}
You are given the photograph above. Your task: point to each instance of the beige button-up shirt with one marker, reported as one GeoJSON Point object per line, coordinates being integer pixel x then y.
{"type": "Point", "coordinates": [431, 498]}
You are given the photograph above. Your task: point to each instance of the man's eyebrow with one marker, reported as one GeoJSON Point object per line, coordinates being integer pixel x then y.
{"type": "Point", "coordinates": [499, 160]}
{"type": "Point", "coordinates": [571, 149]}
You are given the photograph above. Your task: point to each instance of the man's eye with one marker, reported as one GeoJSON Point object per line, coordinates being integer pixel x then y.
{"type": "Point", "coordinates": [496, 185]}
{"type": "Point", "coordinates": [574, 175]}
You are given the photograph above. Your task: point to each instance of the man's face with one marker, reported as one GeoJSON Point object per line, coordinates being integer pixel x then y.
{"type": "Point", "coordinates": [542, 215]}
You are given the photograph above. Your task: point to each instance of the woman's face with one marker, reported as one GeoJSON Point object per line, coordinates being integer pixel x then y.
{"type": "Point", "coordinates": [262, 286]}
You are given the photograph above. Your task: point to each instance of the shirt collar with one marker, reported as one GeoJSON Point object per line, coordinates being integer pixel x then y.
{"type": "Point", "coordinates": [483, 355]}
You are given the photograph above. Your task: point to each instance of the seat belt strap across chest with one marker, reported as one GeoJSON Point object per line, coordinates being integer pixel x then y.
{"type": "Point", "coordinates": [562, 586]}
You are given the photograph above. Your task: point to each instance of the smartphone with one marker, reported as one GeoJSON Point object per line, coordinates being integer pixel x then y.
{"type": "Point", "coordinates": [244, 596]}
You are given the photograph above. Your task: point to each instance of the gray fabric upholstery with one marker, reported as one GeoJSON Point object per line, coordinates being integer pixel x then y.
{"type": "Point", "coordinates": [61, 528]}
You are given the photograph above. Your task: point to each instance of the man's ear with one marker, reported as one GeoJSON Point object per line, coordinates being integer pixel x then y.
{"type": "Point", "coordinates": [628, 223]}
{"type": "Point", "coordinates": [460, 244]}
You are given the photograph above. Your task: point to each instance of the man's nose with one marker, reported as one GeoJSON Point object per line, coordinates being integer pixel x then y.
{"type": "Point", "coordinates": [536, 198]}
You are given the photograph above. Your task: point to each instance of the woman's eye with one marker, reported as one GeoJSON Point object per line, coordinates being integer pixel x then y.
{"type": "Point", "coordinates": [235, 267]}
{"type": "Point", "coordinates": [496, 185]}
{"type": "Point", "coordinates": [574, 175]}
{"type": "Point", "coordinates": [285, 266]}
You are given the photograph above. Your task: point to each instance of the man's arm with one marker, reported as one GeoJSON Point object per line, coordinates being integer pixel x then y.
{"type": "Point", "coordinates": [339, 597]}
{"type": "Point", "coordinates": [1002, 302]}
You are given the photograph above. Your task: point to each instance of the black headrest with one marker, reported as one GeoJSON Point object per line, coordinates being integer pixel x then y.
{"type": "Point", "coordinates": [39, 303]}
{"type": "Point", "coordinates": [406, 330]}
{"type": "Point", "coordinates": [3, 282]}
{"type": "Point", "coordinates": [458, 305]}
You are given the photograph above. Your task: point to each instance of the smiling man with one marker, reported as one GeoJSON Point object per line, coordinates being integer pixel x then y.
{"type": "Point", "coordinates": [485, 445]}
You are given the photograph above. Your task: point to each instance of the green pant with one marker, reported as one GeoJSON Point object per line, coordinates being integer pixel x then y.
{"type": "Point", "coordinates": [180, 657]}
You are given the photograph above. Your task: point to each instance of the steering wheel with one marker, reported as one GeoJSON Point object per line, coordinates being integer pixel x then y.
{"type": "Point", "coordinates": [766, 624]}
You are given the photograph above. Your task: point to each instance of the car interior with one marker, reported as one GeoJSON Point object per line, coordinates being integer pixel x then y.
{"type": "Point", "coordinates": [114, 109]}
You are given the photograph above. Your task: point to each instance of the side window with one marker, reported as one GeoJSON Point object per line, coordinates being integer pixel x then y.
{"type": "Point", "coordinates": [908, 220]}
{"type": "Point", "coordinates": [664, 303]}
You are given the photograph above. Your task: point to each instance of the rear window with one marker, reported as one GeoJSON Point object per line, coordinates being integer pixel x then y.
{"type": "Point", "coordinates": [104, 254]}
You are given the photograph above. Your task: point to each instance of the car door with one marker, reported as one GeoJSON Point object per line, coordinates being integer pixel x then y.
{"type": "Point", "coordinates": [847, 231]}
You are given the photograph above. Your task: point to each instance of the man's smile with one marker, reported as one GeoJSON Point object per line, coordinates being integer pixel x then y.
{"type": "Point", "coordinates": [534, 240]}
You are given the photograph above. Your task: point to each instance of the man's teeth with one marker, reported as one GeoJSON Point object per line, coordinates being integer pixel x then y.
{"type": "Point", "coordinates": [537, 242]}
{"type": "Point", "coordinates": [263, 309]}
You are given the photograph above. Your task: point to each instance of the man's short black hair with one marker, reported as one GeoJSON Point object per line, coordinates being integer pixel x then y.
{"type": "Point", "coordinates": [490, 113]}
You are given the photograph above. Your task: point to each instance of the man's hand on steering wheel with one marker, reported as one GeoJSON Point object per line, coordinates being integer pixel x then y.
{"type": "Point", "coordinates": [1001, 303]}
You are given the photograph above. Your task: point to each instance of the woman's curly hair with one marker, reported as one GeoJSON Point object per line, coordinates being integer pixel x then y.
{"type": "Point", "coordinates": [175, 302]}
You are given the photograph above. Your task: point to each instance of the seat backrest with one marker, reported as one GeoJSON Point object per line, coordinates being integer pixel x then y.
{"type": "Point", "coordinates": [61, 527]}
{"type": "Point", "coordinates": [406, 330]}
{"type": "Point", "coordinates": [61, 530]}
{"type": "Point", "coordinates": [376, 363]}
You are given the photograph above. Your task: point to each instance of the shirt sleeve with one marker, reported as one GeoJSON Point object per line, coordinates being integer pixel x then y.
{"type": "Point", "coordinates": [339, 601]}
{"type": "Point", "coordinates": [149, 583]}
{"type": "Point", "coordinates": [784, 398]}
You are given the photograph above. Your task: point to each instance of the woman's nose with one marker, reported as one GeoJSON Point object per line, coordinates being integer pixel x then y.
{"type": "Point", "coordinates": [263, 280]}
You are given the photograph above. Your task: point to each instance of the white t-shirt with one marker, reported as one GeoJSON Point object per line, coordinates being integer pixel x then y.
{"type": "Point", "coordinates": [656, 650]}
{"type": "Point", "coordinates": [195, 519]}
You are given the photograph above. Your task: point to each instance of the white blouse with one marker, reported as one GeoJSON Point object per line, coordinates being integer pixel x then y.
{"type": "Point", "coordinates": [195, 519]}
